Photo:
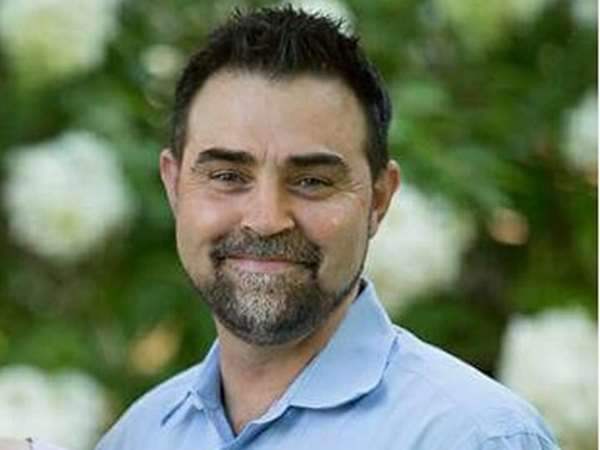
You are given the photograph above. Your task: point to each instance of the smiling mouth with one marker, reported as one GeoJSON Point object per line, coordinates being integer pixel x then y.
{"type": "Point", "coordinates": [251, 263]}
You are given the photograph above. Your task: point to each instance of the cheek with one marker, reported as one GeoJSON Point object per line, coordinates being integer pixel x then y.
{"type": "Point", "coordinates": [199, 223]}
{"type": "Point", "coordinates": [204, 217]}
{"type": "Point", "coordinates": [343, 218]}
{"type": "Point", "coordinates": [340, 231]}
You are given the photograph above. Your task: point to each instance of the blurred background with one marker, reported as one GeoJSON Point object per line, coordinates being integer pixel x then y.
{"type": "Point", "coordinates": [489, 250]}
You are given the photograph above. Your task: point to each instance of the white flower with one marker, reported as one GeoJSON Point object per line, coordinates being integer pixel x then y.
{"type": "Point", "coordinates": [52, 39]}
{"type": "Point", "coordinates": [552, 360]}
{"type": "Point", "coordinates": [65, 196]}
{"type": "Point", "coordinates": [580, 145]}
{"type": "Point", "coordinates": [417, 249]}
{"type": "Point", "coordinates": [162, 61]}
{"type": "Point", "coordinates": [334, 9]}
{"type": "Point", "coordinates": [68, 409]}
{"type": "Point", "coordinates": [481, 24]}
{"type": "Point", "coordinates": [585, 12]}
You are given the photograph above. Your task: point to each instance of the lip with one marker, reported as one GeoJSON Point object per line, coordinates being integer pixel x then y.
{"type": "Point", "coordinates": [255, 264]}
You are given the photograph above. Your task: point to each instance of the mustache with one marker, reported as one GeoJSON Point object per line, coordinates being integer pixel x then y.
{"type": "Point", "coordinates": [289, 245]}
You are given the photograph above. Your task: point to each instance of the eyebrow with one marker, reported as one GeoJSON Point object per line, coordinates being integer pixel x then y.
{"type": "Point", "coordinates": [303, 160]}
{"type": "Point", "coordinates": [224, 154]}
{"type": "Point", "coordinates": [318, 159]}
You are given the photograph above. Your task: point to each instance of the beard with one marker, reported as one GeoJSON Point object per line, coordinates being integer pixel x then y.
{"type": "Point", "coordinates": [270, 308]}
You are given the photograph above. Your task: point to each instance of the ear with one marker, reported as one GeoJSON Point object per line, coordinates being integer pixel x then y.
{"type": "Point", "coordinates": [384, 188]}
{"type": "Point", "coordinates": [169, 174]}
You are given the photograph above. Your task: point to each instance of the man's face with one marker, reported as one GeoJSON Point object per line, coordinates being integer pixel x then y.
{"type": "Point", "coordinates": [273, 201]}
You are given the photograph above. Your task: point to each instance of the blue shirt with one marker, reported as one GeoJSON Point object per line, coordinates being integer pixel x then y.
{"type": "Point", "coordinates": [373, 387]}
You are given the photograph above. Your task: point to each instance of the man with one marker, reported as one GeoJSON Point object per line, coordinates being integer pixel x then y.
{"type": "Point", "coordinates": [278, 175]}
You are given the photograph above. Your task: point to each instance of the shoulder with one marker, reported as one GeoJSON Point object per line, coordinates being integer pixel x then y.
{"type": "Point", "coordinates": [162, 397]}
{"type": "Point", "coordinates": [156, 403]}
{"type": "Point", "coordinates": [453, 395]}
{"type": "Point", "coordinates": [148, 412]}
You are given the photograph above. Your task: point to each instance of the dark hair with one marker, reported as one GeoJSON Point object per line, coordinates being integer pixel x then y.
{"type": "Point", "coordinates": [283, 42]}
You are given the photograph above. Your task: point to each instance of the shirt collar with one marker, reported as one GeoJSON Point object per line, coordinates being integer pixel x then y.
{"type": "Point", "coordinates": [353, 362]}
{"type": "Point", "coordinates": [349, 366]}
{"type": "Point", "coordinates": [202, 392]}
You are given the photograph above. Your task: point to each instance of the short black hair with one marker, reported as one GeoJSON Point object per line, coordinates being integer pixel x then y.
{"type": "Point", "coordinates": [282, 42]}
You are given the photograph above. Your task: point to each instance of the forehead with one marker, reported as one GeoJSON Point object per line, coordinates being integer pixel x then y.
{"type": "Point", "coordinates": [276, 118]}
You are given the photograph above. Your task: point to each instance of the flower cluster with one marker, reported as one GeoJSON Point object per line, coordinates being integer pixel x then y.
{"type": "Point", "coordinates": [580, 145]}
{"type": "Point", "coordinates": [65, 196]}
{"type": "Point", "coordinates": [418, 247]}
{"type": "Point", "coordinates": [552, 360]}
{"type": "Point", "coordinates": [482, 24]}
{"type": "Point", "coordinates": [69, 409]}
{"type": "Point", "coordinates": [53, 39]}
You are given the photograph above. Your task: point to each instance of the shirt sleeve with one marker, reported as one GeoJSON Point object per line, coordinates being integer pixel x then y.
{"type": "Point", "coordinates": [519, 441]}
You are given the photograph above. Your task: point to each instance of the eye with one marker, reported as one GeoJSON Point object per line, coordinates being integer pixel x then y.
{"type": "Point", "coordinates": [311, 183]}
{"type": "Point", "coordinates": [228, 177]}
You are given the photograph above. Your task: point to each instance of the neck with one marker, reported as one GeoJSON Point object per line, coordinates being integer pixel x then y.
{"type": "Point", "coordinates": [254, 377]}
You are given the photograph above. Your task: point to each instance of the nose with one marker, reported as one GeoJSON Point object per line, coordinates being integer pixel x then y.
{"type": "Point", "coordinates": [267, 211]}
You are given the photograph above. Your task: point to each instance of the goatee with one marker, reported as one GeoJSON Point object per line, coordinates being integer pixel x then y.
{"type": "Point", "coordinates": [270, 308]}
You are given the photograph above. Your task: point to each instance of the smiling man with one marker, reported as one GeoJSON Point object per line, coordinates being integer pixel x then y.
{"type": "Point", "coordinates": [278, 175]}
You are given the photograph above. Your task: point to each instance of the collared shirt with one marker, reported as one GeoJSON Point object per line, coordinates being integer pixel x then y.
{"type": "Point", "coordinates": [373, 386]}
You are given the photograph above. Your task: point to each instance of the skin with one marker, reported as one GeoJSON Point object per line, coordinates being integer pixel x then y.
{"type": "Point", "coordinates": [300, 165]}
